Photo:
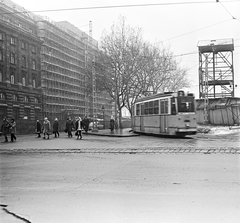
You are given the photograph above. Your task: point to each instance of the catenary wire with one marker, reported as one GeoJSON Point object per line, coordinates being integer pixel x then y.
{"type": "Point", "coordinates": [113, 6]}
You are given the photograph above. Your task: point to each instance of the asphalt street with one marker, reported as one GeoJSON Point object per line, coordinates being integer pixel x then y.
{"type": "Point", "coordinates": [121, 179]}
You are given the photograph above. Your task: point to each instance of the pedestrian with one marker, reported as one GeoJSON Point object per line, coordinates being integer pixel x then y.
{"type": "Point", "coordinates": [55, 127]}
{"type": "Point", "coordinates": [112, 123]}
{"type": "Point", "coordinates": [78, 127]}
{"type": "Point", "coordinates": [39, 129]}
{"type": "Point", "coordinates": [85, 123]}
{"type": "Point", "coordinates": [13, 130]}
{"type": "Point", "coordinates": [69, 127]}
{"type": "Point", "coordinates": [46, 128]}
{"type": "Point", "coordinates": [5, 128]}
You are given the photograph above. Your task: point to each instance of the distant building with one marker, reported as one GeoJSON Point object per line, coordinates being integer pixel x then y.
{"type": "Point", "coordinates": [46, 69]}
{"type": "Point", "coordinates": [20, 80]}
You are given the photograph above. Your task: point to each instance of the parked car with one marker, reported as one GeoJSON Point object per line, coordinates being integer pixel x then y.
{"type": "Point", "coordinates": [99, 125]}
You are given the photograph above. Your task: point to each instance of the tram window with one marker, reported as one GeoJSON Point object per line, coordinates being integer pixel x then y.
{"type": "Point", "coordinates": [146, 108]}
{"type": "Point", "coordinates": [142, 109]}
{"type": "Point", "coordinates": [156, 107]}
{"type": "Point", "coordinates": [186, 104]}
{"type": "Point", "coordinates": [150, 107]}
{"type": "Point", "coordinates": [164, 106]}
{"type": "Point", "coordinates": [173, 106]}
{"type": "Point", "coordinates": [138, 109]}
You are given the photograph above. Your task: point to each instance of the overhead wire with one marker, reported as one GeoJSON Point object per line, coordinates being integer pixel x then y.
{"type": "Point", "coordinates": [112, 6]}
{"type": "Point", "coordinates": [195, 30]}
{"type": "Point", "coordinates": [226, 10]}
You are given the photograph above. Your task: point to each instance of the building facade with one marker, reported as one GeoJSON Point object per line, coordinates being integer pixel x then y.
{"type": "Point", "coordinates": [20, 80]}
{"type": "Point", "coordinates": [46, 70]}
{"type": "Point", "coordinates": [62, 72]}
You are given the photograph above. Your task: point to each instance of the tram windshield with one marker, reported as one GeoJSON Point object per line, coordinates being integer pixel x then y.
{"type": "Point", "coordinates": [186, 104]}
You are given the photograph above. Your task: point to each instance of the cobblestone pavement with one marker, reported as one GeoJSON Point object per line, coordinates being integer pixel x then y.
{"type": "Point", "coordinates": [200, 143]}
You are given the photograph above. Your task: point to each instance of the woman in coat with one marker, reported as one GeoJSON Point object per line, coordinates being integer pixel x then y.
{"type": "Point", "coordinates": [5, 128]}
{"type": "Point", "coordinates": [55, 127]}
{"type": "Point", "coordinates": [13, 130]}
{"type": "Point", "coordinates": [78, 127]}
{"type": "Point", "coordinates": [46, 127]}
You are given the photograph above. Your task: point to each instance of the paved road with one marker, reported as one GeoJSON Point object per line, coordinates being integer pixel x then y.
{"type": "Point", "coordinates": [107, 188]}
{"type": "Point", "coordinates": [121, 179]}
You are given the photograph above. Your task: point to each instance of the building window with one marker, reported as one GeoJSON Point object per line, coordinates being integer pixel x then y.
{"type": "Point", "coordinates": [33, 49]}
{"type": "Point", "coordinates": [34, 65]}
{"type": "Point", "coordinates": [12, 58]}
{"type": "Point", "coordinates": [1, 36]}
{"type": "Point", "coordinates": [34, 83]}
{"type": "Point", "coordinates": [15, 98]}
{"type": "Point", "coordinates": [12, 79]}
{"type": "Point", "coordinates": [2, 96]}
{"type": "Point", "coordinates": [23, 45]}
{"type": "Point", "coordinates": [26, 99]}
{"type": "Point", "coordinates": [36, 100]}
{"type": "Point", "coordinates": [1, 54]}
{"type": "Point", "coordinates": [24, 62]}
{"type": "Point", "coordinates": [23, 81]}
{"type": "Point", "coordinates": [1, 76]}
{"type": "Point", "coordinates": [13, 40]}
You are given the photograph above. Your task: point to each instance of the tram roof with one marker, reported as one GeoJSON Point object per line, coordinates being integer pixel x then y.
{"type": "Point", "coordinates": [160, 95]}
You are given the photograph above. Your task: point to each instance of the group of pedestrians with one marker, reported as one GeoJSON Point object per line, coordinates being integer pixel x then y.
{"type": "Point", "coordinates": [70, 126]}
{"type": "Point", "coordinates": [8, 127]}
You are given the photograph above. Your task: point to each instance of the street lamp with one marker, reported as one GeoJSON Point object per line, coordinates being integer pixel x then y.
{"type": "Point", "coordinates": [103, 109]}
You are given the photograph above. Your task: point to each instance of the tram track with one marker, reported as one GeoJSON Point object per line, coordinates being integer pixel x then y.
{"type": "Point", "coordinates": [130, 150]}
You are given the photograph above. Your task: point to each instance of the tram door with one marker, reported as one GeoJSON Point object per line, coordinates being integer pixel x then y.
{"type": "Point", "coordinates": [142, 118]}
{"type": "Point", "coordinates": [163, 123]}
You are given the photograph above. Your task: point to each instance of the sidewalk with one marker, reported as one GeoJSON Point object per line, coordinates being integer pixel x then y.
{"type": "Point", "coordinates": [208, 130]}
{"type": "Point", "coordinates": [116, 133]}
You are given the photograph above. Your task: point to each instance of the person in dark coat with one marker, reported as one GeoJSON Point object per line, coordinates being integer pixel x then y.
{"type": "Point", "coordinates": [5, 128]}
{"type": "Point", "coordinates": [85, 123]}
{"type": "Point", "coordinates": [78, 127]}
{"type": "Point", "coordinates": [13, 130]}
{"type": "Point", "coordinates": [39, 129]}
{"type": "Point", "coordinates": [55, 127]}
{"type": "Point", "coordinates": [112, 122]}
{"type": "Point", "coordinates": [69, 127]}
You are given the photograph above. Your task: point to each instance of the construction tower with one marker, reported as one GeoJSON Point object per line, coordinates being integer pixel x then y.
{"type": "Point", "coordinates": [216, 76]}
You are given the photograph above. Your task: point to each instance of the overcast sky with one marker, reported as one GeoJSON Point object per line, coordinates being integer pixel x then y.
{"type": "Point", "coordinates": [180, 25]}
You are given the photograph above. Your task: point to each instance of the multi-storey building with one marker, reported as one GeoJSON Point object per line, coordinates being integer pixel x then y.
{"type": "Point", "coordinates": [67, 55]}
{"type": "Point", "coordinates": [63, 74]}
{"type": "Point", "coordinates": [20, 81]}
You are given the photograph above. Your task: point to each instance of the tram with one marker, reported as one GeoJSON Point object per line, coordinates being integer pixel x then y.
{"type": "Point", "coordinates": [169, 113]}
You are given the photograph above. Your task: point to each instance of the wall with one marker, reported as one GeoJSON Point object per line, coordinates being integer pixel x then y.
{"type": "Point", "coordinates": [220, 111]}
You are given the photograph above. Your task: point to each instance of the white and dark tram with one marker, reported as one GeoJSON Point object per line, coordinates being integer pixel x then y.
{"type": "Point", "coordinates": [169, 113]}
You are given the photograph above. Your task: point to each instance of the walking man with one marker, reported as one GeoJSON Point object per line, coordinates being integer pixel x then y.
{"type": "Point", "coordinates": [5, 128]}
{"type": "Point", "coordinates": [55, 127]}
{"type": "Point", "coordinates": [13, 130]}
{"type": "Point", "coordinates": [69, 127]}
{"type": "Point", "coordinates": [39, 129]}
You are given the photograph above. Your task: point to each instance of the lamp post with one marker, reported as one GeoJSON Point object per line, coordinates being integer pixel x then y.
{"type": "Point", "coordinates": [103, 109]}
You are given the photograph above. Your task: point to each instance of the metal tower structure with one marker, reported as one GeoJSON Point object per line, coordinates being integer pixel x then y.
{"type": "Point", "coordinates": [216, 76]}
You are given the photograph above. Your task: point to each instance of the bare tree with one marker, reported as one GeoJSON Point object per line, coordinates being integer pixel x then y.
{"type": "Point", "coordinates": [128, 67]}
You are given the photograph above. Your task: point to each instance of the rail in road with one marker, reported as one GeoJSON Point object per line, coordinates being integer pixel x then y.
{"type": "Point", "coordinates": [148, 150]}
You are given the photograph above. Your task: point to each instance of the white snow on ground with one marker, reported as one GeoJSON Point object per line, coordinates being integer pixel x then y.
{"type": "Point", "coordinates": [218, 130]}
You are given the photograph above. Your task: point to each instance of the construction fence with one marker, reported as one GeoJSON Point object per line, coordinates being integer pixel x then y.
{"type": "Point", "coordinates": [220, 111]}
